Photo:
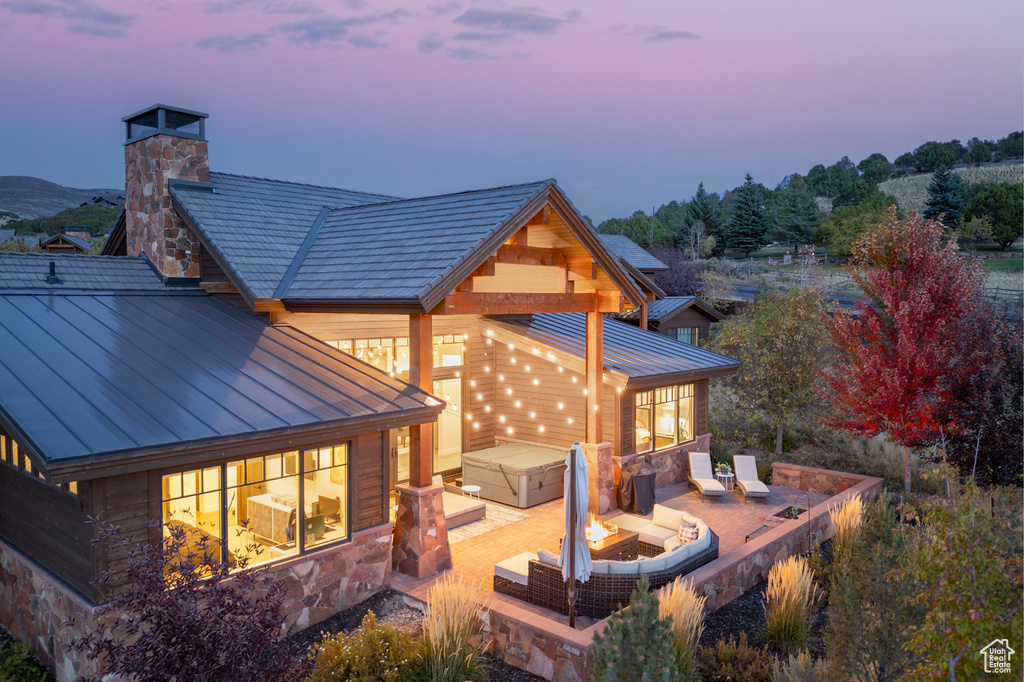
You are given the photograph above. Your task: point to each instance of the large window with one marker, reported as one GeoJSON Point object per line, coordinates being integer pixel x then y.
{"type": "Point", "coordinates": [664, 417]}
{"type": "Point", "coordinates": [264, 508]}
{"type": "Point", "coordinates": [392, 354]}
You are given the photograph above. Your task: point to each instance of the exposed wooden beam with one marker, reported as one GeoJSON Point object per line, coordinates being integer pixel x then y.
{"type": "Point", "coordinates": [264, 304]}
{"type": "Point", "coordinates": [486, 269]}
{"type": "Point", "coordinates": [219, 287]}
{"type": "Point", "coordinates": [609, 302]}
{"type": "Point", "coordinates": [474, 303]}
{"type": "Point", "coordinates": [543, 217]}
{"type": "Point", "coordinates": [583, 267]}
{"type": "Point", "coordinates": [529, 255]}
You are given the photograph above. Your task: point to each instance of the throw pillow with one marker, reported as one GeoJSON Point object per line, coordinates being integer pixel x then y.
{"type": "Point", "coordinates": [687, 533]}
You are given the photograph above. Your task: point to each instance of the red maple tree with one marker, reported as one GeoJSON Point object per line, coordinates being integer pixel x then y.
{"type": "Point", "coordinates": [896, 354]}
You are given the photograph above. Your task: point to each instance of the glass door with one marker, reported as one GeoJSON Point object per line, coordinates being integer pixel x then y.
{"type": "Point", "coordinates": [448, 430]}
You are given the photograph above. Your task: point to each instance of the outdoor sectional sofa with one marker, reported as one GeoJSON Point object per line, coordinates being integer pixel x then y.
{"type": "Point", "coordinates": [535, 577]}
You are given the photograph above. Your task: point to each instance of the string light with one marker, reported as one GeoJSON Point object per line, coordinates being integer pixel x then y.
{"type": "Point", "coordinates": [596, 408]}
{"type": "Point", "coordinates": [619, 389]}
{"type": "Point", "coordinates": [487, 368]}
{"type": "Point", "coordinates": [510, 431]}
{"type": "Point", "coordinates": [469, 417]}
{"type": "Point", "coordinates": [489, 342]}
{"type": "Point", "coordinates": [533, 415]}
{"type": "Point", "coordinates": [586, 391]}
{"type": "Point", "coordinates": [472, 384]}
{"type": "Point", "coordinates": [487, 408]}
{"type": "Point", "coordinates": [518, 404]}
{"type": "Point", "coordinates": [561, 405]}
{"type": "Point", "coordinates": [527, 368]}
{"type": "Point", "coordinates": [508, 391]}
{"type": "Point", "coordinates": [536, 382]}
{"type": "Point", "coordinates": [536, 351]}
{"type": "Point", "coordinates": [570, 420]}
{"type": "Point", "coordinates": [511, 347]}
{"type": "Point", "coordinates": [513, 361]}
{"type": "Point", "coordinates": [479, 396]}
{"type": "Point", "coordinates": [501, 419]}
{"type": "Point", "coordinates": [476, 425]}
{"type": "Point", "coordinates": [559, 368]}
{"type": "Point", "coordinates": [501, 377]}
{"type": "Point", "coordinates": [541, 429]}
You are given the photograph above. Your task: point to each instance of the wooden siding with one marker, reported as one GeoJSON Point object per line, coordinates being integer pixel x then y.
{"type": "Point", "coordinates": [368, 480]}
{"type": "Point", "coordinates": [49, 525]}
{"type": "Point", "coordinates": [125, 501]}
{"type": "Point", "coordinates": [481, 355]}
{"type": "Point", "coordinates": [688, 317]}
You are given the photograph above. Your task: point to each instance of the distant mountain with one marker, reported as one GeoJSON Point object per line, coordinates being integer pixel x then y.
{"type": "Point", "coordinates": [35, 198]}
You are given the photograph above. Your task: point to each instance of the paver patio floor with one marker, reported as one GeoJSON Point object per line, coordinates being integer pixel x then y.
{"type": "Point", "coordinates": [729, 517]}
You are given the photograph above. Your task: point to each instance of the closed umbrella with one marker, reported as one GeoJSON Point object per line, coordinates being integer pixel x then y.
{"type": "Point", "coordinates": [575, 555]}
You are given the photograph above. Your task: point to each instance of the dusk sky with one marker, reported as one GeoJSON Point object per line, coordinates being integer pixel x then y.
{"type": "Point", "coordinates": [628, 104]}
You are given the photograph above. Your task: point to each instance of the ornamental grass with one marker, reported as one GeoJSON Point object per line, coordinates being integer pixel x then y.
{"type": "Point", "coordinates": [677, 601]}
{"type": "Point", "coordinates": [847, 520]}
{"type": "Point", "coordinates": [788, 601]}
{"type": "Point", "coordinates": [450, 622]}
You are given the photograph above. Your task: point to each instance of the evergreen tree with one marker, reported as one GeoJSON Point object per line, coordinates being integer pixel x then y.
{"type": "Point", "coordinates": [705, 208]}
{"type": "Point", "coordinates": [796, 214]}
{"type": "Point", "coordinates": [945, 197]}
{"type": "Point", "coordinates": [636, 643]}
{"type": "Point", "coordinates": [747, 227]}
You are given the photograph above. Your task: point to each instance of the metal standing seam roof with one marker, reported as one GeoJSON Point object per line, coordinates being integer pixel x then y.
{"type": "Point", "coordinates": [23, 271]}
{"type": "Point", "coordinates": [94, 374]}
{"type": "Point", "coordinates": [624, 247]}
{"type": "Point", "coordinates": [628, 350]}
{"type": "Point", "coordinates": [657, 310]}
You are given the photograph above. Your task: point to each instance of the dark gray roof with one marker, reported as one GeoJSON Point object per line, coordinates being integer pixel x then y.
{"type": "Point", "coordinates": [624, 247]}
{"type": "Point", "coordinates": [256, 226]}
{"type": "Point", "coordinates": [27, 239]}
{"type": "Point", "coordinates": [657, 310]}
{"type": "Point", "coordinates": [71, 239]}
{"type": "Point", "coordinates": [6, 233]}
{"type": "Point", "coordinates": [95, 375]}
{"type": "Point", "coordinates": [397, 250]}
{"type": "Point", "coordinates": [20, 271]}
{"type": "Point", "coordinates": [633, 352]}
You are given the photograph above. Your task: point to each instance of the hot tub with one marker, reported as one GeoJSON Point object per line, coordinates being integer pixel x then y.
{"type": "Point", "coordinates": [515, 474]}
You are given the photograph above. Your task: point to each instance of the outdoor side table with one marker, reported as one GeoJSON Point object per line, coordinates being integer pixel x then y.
{"type": "Point", "coordinates": [728, 481]}
{"type": "Point", "coordinates": [623, 546]}
{"type": "Point", "coordinates": [470, 490]}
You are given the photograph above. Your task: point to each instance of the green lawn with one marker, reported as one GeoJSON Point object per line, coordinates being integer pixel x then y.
{"type": "Point", "coordinates": [1005, 265]}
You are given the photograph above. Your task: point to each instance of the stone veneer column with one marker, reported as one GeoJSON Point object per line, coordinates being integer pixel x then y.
{"type": "Point", "coordinates": [152, 226]}
{"type": "Point", "coordinates": [601, 476]}
{"type": "Point", "coordinates": [420, 548]}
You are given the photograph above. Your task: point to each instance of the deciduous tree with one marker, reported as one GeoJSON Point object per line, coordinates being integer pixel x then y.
{"type": "Point", "coordinates": [1004, 206]}
{"type": "Point", "coordinates": [896, 354]}
{"type": "Point", "coordinates": [780, 338]}
{"type": "Point", "coordinates": [876, 168]}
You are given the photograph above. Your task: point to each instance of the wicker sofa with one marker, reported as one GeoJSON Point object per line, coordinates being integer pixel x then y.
{"type": "Point", "coordinates": [535, 577]}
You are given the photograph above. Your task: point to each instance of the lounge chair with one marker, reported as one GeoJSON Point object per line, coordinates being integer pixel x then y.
{"type": "Point", "coordinates": [747, 480]}
{"type": "Point", "coordinates": [701, 476]}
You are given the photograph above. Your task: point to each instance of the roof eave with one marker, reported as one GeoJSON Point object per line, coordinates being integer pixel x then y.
{"type": "Point", "coordinates": [656, 380]}
{"type": "Point", "coordinates": [102, 465]}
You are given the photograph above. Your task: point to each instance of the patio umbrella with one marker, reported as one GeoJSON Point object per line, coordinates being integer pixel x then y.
{"type": "Point", "coordinates": [575, 555]}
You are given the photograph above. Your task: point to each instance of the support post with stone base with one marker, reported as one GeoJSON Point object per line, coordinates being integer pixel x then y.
{"type": "Point", "coordinates": [420, 548]}
{"type": "Point", "coordinates": [600, 476]}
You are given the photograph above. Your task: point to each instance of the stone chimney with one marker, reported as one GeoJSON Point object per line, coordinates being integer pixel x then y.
{"type": "Point", "coordinates": [163, 143]}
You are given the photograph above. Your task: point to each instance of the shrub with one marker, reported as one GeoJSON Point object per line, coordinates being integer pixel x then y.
{"type": "Point", "coordinates": [847, 521]}
{"type": "Point", "coordinates": [764, 473]}
{"type": "Point", "coordinates": [870, 614]}
{"type": "Point", "coordinates": [372, 653]}
{"type": "Point", "coordinates": [450, 622]}
{"type": "Point", "coordinates": [681, 606]}
{"type": "Point", "coordinates": [175, 610]}
{"type": "Point", "coordinates": [788, 600]}
{"type": "Point", "coordinates": [18, 665]}
{"type": "Point", "coordinates": [801, 668]}
{"type": "Point", "coordinates": [733, 660]}
{"type": "Point", "coordinates": [637, 644]}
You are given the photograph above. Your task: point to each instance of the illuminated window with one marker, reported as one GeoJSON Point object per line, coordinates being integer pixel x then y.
{"type": "Point", "coordinates": [664, 417]}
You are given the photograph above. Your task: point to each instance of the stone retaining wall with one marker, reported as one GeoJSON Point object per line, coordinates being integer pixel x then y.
{"type": "Point", "coordinates": [554, 651]}
{"type": "Point", "coordinates": [35, 607]}
{"type": "Point", "coordinates": [672, 464]}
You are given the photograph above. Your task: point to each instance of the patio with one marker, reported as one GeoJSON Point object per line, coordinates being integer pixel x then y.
{"type": "Point", "coordinates": [541, 641]}
{"type": "Point", "coordinates": [729, 517]}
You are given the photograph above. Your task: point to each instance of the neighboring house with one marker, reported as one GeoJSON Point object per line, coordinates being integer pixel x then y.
{"type": "Point", "coordinates": [683, 318]}
{"type": "Point", "coordinates": [641, 266]}
{"type": "Point", "coordinates": [65, 243]}
{"type": "Point", "coordinates": [301, 361]}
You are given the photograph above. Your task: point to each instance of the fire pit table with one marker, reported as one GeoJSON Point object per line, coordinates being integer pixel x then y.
{"type": "Point", "coordinates": [623, 546]}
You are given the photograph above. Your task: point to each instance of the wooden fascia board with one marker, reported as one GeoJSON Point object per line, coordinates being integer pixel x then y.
{"type": "Point", "coordinates": [505, 333]}
{"type": "Point", "coordinates": [656, 380]}
{"type": "Point", "coordinates": [715, 315]}
{"type": "Point", "coordinates": [590, 241]}
{"type": "Point", "coordinates": [186, 454]}
{"type": "Point", "coordinates": [249, 297]}
{"type": "Point", "coordinates": [488, 303]}
{"type": "Point", "coordinates": [448, 283]}
{"type": "Point", "coordinates": [406, 306]}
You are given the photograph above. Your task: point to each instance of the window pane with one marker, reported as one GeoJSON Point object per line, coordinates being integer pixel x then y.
{"type": "Point", "coordinates": [263, 519]}
{"type": "Point", "coordinates": [665, 424]}
{"type": "Point", "coordinates": [192, 518]}
{"type": "Point", "coordinates": [326, 510]}
{"type": "Point", "coordinates": [643, 429]}
{"type": "Point", "coordinates": [254, 469]}
{"type": "Point", "coordinates": [273, 467]}
{"type": "Point", "coordinates": [341, 454]}
{"type": "Point", "coordinates": [211, 479]}
{"type": "Point", "coordinates": [686, 416]}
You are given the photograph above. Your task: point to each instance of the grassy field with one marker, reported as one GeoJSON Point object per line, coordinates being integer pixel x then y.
{"type": "Point", "coordinates": [912, 191]}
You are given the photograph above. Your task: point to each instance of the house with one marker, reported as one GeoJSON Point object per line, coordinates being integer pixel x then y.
{"type": "Point", "coordinates": [65, 243]}
{"type": "Point", "coordinates": [683, 318]}
{"type": "Point", "coordinates": [299, 362]}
